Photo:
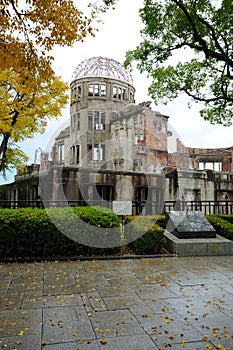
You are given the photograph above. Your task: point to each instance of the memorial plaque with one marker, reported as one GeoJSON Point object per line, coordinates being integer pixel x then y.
{"type": "Point", "coordinates": [189, 224]}
{"type": "Point", "coordinates": [122, 207]}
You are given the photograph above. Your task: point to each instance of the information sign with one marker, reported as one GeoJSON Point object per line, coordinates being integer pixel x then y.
{"type": "Point", "coordinates": [122, 207]}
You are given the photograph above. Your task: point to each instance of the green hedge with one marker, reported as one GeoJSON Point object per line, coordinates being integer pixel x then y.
{"type": "Point", "coordinates": [227, 217]}
{"type": "Point", "coordinates": [144, 234]}
{"type": "Point", "coordinates": [223, 227]}
{"type": "Point", "coordinates": [54, 232]}
{"type": "Point", "coordinates": [161, 221]}
{"type": "Point", "coordinates": [79, 231]}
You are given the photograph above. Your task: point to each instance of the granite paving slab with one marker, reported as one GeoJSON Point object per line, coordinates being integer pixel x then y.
{"type": "Point", "coordinates": [132, 342]}
{"type": "Point", "coordinates": [93, 302]}
{"type": "Point", "coordinates": [126, 302]}
{"type": "Point", "coordinates": [115, 323]}
{"type": "Point", "coordinates": [20, 323]}
{"type": "Point", "coordinates": [34, 301]}
{"type": "Point", "coordinates": [124, 280]}
{"type": "Point", "coordinates": [153, 291]}
{"type": "Point", "coordinates": [10, 301]}
{"type": "Point", "coordinates": [115, 291]}
{"type": "Point", "coordinates": [26, 286]}
{"type": "Point", "coordinates": [65, 324]}
{"type": "Point", "coordinates": [133, 304]}
{"type": "Point", "coordinates": [167, 329]}
{"type": "Point", "coordinates": [25, 342]}
{"type": "Point", "coordinates": [93, 279]}
{"type": "Point", "coordinates": [84, 345]}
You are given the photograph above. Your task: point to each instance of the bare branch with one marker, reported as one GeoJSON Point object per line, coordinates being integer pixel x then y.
{"type": "Point", "coordinates": [203, 44]}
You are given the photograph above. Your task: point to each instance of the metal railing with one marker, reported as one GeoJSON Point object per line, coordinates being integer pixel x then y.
{"type": "Point", "coordinates": [138, 207]}
{"type": "Point", "coordinates": [207, 207]}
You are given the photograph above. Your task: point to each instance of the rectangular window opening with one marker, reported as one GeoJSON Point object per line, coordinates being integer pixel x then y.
{"type": "Point", "coordinates": [96, 120]}
{"type": "Point", "coordinates": [114, 92]}
{"type": "Point", "coordinates": [79, 91]}
{"type": "Point", "coordinates": [90, 120]}
{"type": "Point", "coordinates": [89, 152]}
{"type": "Point", "coordinates": [61, 153]}
{"type": "Point", "coordinates": [77, 154]}
{"type": "Point", "coordinates": [99, 153]}
{"type": "Point", "coordinates": [103, 120]}
{"type": "Point", "coordinates": [78, 121]}
{"type": "Point", "coordinates": [72, 155]}
{"type": "Point", "coordinates": [90, 90]}
{"type": "Point", "coordinates": [97, 89]}
{"type": "Point", "coordinates": [103, 90]}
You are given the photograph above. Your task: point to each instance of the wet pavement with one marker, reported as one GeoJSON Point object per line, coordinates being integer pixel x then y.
{"type": "Point", "coordinates": [130, 304]}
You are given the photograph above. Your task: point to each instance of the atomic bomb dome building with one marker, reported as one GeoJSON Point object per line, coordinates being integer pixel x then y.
{"type": "Point", "coordinates": [107, 130]}
{"type": "Point", "coordinates": [115, 149]}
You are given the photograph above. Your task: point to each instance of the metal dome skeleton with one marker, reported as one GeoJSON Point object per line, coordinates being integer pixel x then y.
{"type": "Point", "coordinates": [102, 67]}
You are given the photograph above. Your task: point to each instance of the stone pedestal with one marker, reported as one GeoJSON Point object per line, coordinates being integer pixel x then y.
{"type": "Point", "coordinates": [218, 246]}
{"type": "Point", "coordinates": [191, 234]}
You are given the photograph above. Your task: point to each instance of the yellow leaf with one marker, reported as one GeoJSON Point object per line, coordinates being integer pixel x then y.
{"type": "Point", "coordinates": [21, 333]}
{"type": "Point", "coordinates": [205, 339]}
{"type": "Point", "coordinates": [7, 323]}
{"type": "Point", "coordinates": [209, 347]}
{"type": "Point", "coordinates": [103, 341]}
{"type": "Point", "coordinates": [80, 341]}
{"type": "Point", "coordinates": [24, 312]}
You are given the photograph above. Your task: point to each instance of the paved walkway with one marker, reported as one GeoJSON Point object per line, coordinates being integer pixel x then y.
{"type": "Point", "coordinates": [162, 303]}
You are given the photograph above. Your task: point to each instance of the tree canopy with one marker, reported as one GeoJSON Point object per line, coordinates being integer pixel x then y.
{"type": "Point", "coordinates": [101, 6]}
{"type": "Point", "coordinates": [197, 35]}
{"type": "Point", "coordinates": [31, 93]}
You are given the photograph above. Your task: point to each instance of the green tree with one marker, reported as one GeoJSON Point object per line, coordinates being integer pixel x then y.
{"type": "Point", "coordinates": [101, 6]}
{"type": "Point", "coordinates": [200, 31]}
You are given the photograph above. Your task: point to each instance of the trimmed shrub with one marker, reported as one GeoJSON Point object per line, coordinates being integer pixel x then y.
{"type": "Point", "coordinates": [91, 226]}
{"type": "Point", "coordinates": [144, 235]}
{"type": "Point", "coordinates": [55, 232]}
{"type": "Point", "coordinates": [227, 217]}
{"type": "Point", "coordinates": [161, 221]}
{"type": "Point", "coordinates": [158, 219]}
{"type": "Point", "coordinates": [223, 227]}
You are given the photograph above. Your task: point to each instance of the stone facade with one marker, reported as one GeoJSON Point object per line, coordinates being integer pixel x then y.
{"type": "Point", "coordinates": [115, 149]}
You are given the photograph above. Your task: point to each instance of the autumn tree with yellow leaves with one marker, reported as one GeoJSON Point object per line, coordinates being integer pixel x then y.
{"type": "Point", "coordinates": [30, 91]}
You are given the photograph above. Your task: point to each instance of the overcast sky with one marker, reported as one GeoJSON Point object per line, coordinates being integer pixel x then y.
{"type": "Point", "coordinates": [121, 32]}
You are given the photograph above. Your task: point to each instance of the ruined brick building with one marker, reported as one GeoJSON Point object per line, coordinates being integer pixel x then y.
{"type": "Point", "coordinates": [115, 149]}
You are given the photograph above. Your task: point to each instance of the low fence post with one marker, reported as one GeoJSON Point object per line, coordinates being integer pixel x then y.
{"type": "Point", "coordinates": [227, 208]}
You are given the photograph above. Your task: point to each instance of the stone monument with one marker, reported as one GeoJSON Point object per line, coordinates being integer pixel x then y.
{"type": "Point", "coordinates": [189, 224]}
{"type": "Point", "coordinates": [189, 233]}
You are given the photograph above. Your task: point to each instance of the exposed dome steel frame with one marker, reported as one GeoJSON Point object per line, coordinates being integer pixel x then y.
{"type": "Point", "coordinates": [102, 67]}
